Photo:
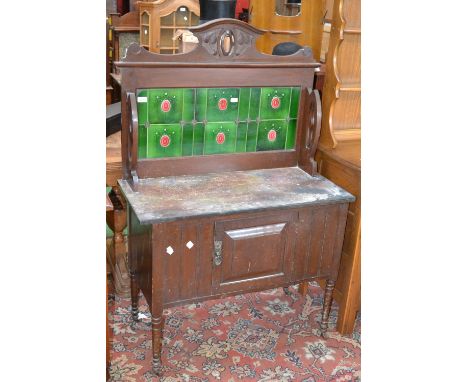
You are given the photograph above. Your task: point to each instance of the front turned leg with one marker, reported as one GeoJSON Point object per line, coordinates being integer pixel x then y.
{"type": "Point", "coordinates": [134, 295]}
{"type": "Point", "coordinates": [327, 300]}
{"type": "Point", "coordinates": [157, 326]}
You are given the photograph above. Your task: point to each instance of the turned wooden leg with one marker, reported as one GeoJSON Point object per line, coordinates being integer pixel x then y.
{"type": "Point", "coordinates": [327, 300]}
{"type": "Point", "coordinates": [303, 287]}
{"type": "Point", "coordinates": [134, 295]}
{"type": "Point", "coordinates": [157, 326]}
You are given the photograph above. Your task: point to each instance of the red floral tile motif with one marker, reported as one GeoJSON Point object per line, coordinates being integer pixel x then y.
{"type": "Point", "coordinates": [165, 140]}
{"type": "Point", "coordinates": [269, 336]}
{"type": "Point", "coordinates": [222, 104]}
{"type": "Point", "coordinates": [166, 105]}
{"type": "Point", "coordinates": [220, 138]}
{"type": "Point", "coordinates": [275, 102]}
{"type": "Point", "coordinates": [272, 135]}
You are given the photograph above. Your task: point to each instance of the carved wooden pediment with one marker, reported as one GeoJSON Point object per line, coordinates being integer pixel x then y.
{"type": "Point", "coordinates": [228, 42]}
{"type": "Point", "coordinates": [223, 38]}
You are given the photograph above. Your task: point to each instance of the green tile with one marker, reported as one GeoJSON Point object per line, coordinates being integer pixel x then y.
{"type": "Point", "coordinates": [142, 141]}
{"type": "Point", "coordinates": [200, 104]}
{"type": "Point", "coordinates": [142, 106]}
{"type": "Point", "coordinates": [275, 103]}
{"type": "Point", "coordinates": [233, 121]}
{"type": "Point", "coordinates": [244, 101]}
{"type": "Point", "coordinates": [165, 106]}
{"type": "Point", "coordinates": [254, 103]}
{"type": "Point", "coordinates": [220, 137]}
{"type": "Point", "coordinates": [222, 104]}
{"type": "Point", "coordinates": [276, 127]}
{"type": "Point", "coordinates": [241, 137]}
{"type": "Point", "coordinates": [169, 135]}
{"type": "Point", "coordinates": [198, 138]}
{"type": "Point", "coordinates": [291, 134]}
{"type": "Point", "coordinates": [295, 96]}
{"type": "Point", "coordinates": [188, 113]}
{"type": "Point", "coordinates": [187, 139]}
{"type": "Point", "coordinates": [251, 137]}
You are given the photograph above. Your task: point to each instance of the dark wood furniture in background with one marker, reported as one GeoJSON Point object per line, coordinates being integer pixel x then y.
{"type": "Point", "coordinates": [123, 6]}
{"type": "Point", "coordinates": [109, 207]}
{"type": "Point", "coordinates": [108, 63]}
{"type": "Point", "coordinates": [116, 219]}
{"type": "Point", "coordinates": [339, 151]}
{"type": "Point", "coordinates": [124, 30]}
{"type": "Point", "coordinates": [121, 32]}
{"type": "Point", "coordinates": [208, 226]}
{"type": "Point", "coordinates": [117, 248]}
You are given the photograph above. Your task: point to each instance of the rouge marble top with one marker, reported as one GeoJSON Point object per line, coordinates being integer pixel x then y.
{"type": "Point", "coordinates": [163, 199]}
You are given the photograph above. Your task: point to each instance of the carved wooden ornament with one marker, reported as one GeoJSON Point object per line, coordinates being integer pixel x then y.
{"type": "Point", "coordinates": [221, 41]}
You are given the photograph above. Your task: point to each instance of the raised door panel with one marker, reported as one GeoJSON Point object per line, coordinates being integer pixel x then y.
{"type": "Point", "coordinates": [253, 253]}
{"type": "Point", "coordinates": [183, 261]}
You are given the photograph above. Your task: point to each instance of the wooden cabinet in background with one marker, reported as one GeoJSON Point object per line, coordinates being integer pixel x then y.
{"type": "Point", "coordinates": [343, 167]}
{"type": "Point", "coordinates": [159, 20]}
{"type": "Point", "coordinates": [304, 29]}
{"type": "Point", "coordinates": [342, 88]}
{"type": "Point", "coordinates": [339, 151]}
{"type": "Point", "coordinates": [116, 219]}
{"type": "Point", "coordinates": [123, 31]}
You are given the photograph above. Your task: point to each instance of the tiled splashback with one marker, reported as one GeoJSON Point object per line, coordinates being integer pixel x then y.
{"type": "Point", "coordinates": [204, 121]}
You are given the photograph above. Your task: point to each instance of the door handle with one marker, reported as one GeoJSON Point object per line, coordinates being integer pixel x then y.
{"type": "Point", "coordinates": [218, 256]}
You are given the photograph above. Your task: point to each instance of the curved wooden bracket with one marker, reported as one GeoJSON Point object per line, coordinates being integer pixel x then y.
{"type": "Point", "coordinates": [132, 153]}
{"type": "Point", "coordinates": [312, 133]}
{"type": "Point", "coordinates": [316, 120]}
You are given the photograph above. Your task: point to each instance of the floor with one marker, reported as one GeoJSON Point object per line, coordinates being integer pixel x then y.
{"type": "Point", "coordinates": [266, 336]}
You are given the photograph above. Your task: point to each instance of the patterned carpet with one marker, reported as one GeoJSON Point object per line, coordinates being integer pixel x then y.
{"type": "Point", "coordinates": [266, 336]}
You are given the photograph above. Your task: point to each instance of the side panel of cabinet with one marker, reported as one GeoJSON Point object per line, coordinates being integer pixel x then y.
{"type": "Point", "coordinates": [256, 252]}
{"type": "Point", "coordinates": [320, 236]}
{"type": "Point", "coordinates": [139, 253]}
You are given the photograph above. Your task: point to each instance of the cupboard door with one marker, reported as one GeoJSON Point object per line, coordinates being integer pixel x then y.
{"type": "Point", "coordinates": [253, 252]}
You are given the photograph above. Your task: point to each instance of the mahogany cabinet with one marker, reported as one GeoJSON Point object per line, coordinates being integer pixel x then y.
{"type": "Point", "coordinates": [206, 257]}
{"type": "Point", "coordinates": [219, 175]}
